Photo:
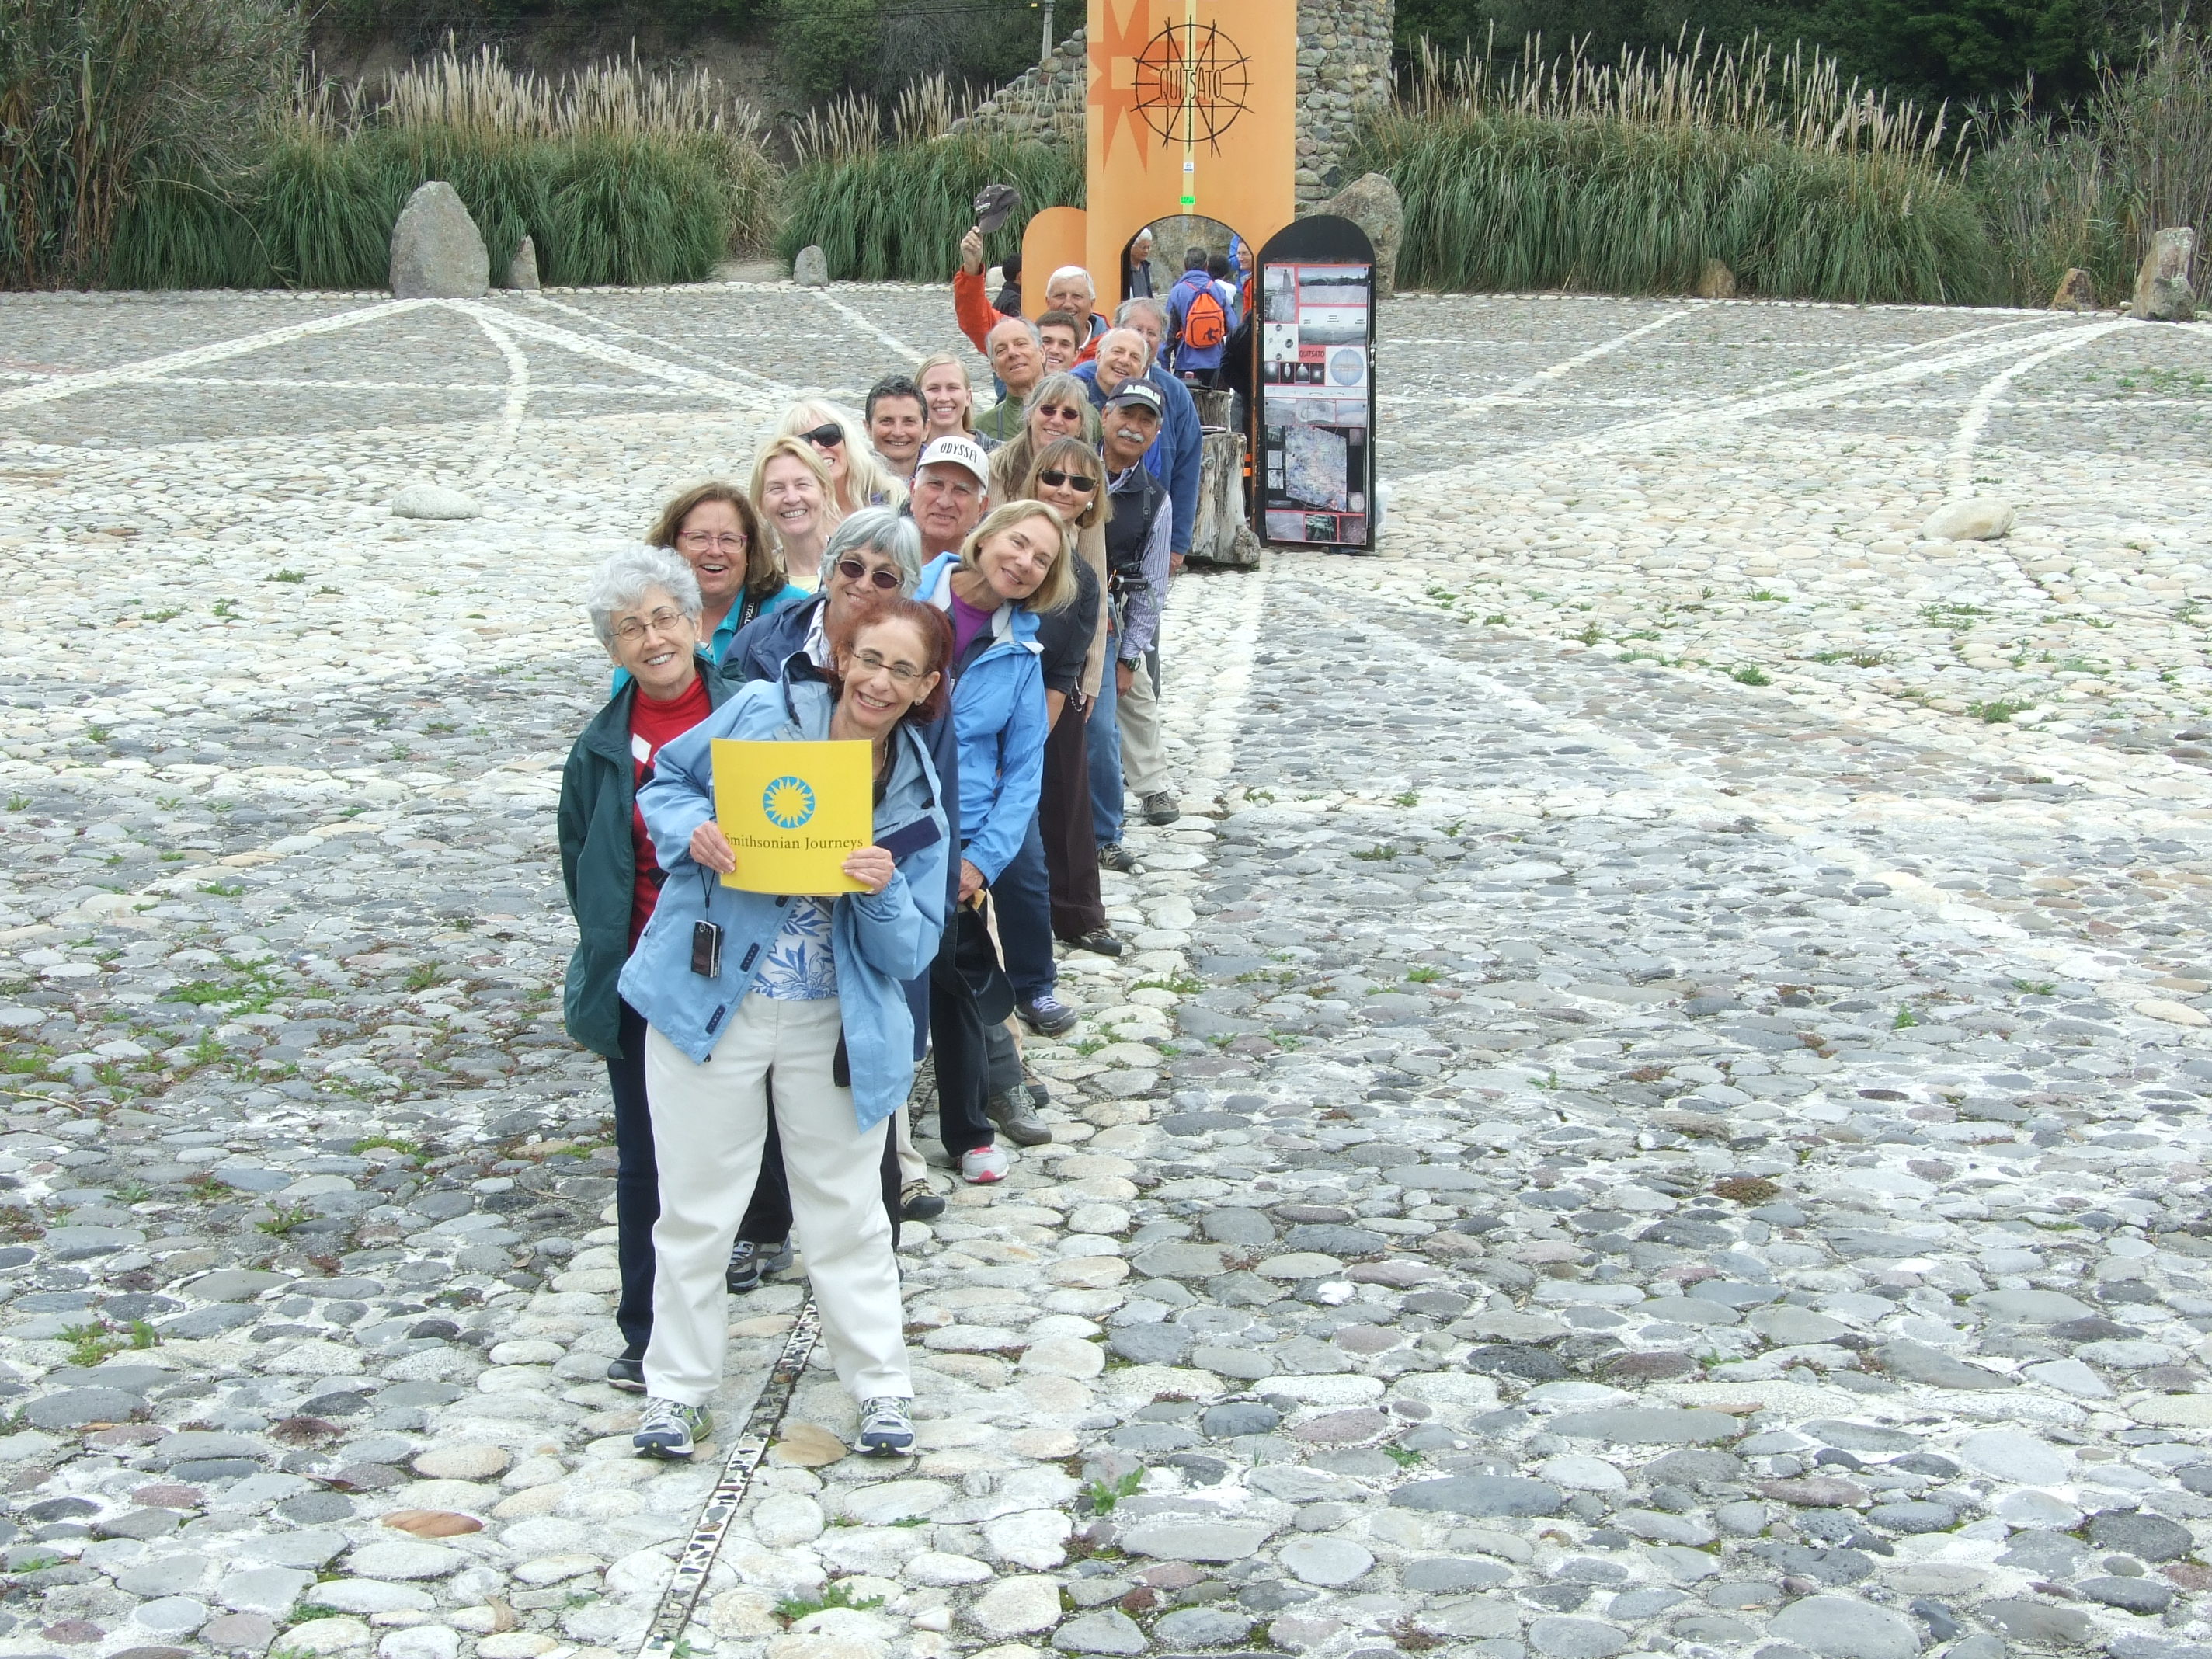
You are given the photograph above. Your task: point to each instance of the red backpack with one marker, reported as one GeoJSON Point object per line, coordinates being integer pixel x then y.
{"type": "Point", "coordinates": [1205, 323]}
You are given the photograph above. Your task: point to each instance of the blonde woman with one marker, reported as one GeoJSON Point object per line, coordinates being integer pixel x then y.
{"type": "Point", "coordinates": [797, 501]}
{"type": "Point", "coordinates": [857, 478]}
{"type": "Point", "coordinates": [948, 401]}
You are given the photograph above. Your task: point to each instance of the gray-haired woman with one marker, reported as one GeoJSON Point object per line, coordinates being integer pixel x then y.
{"type": "Point", "coordinates": [645, 607]}
{"type": "Point", "coordinates": [1058, 407]}
{"type": "Point", "coordinates": [876, 551]}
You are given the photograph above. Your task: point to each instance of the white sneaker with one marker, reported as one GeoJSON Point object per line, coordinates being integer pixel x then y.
{"type": "Point", "coordinates": [985, 1165]}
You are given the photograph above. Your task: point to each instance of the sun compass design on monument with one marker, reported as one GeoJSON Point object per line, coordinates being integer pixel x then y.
{"type": "Point", "coordinates": [1191, 82]}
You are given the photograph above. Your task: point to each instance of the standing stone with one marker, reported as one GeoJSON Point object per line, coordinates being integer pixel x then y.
{"type": "Point", "coordinates": [1372, 202]}
{"type": "Point", "coordinates": [2162, 290]}
{"type": "Point", "coordinates": [812, 268]}
{"type": "Point", "coordinates": [522, 269]}
{"type": "Point", "coordinates": [1715, 281]}
{"type": "Point", "coordinates": [2077, 291]}
{"type": "Point", "coordinates": [437, 252]}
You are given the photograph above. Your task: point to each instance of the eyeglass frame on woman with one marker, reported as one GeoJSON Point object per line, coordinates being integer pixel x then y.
{"type": "Point", "coordinates": [904, 673]}
{"type": "Point", "coordinates": [852, 571]}
{"type": "Point", "coordinates": [828, 435]}
{"type": "Point", "coordinates": [735, 541]}
{"type": "Point", "coordinates": [1053, 479]}
{"type": "Point", "coordinates": [636, 628]}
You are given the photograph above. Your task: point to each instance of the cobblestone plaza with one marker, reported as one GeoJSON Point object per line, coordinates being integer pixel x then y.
{"type": "Point", "coordinates": [1656, 1104]}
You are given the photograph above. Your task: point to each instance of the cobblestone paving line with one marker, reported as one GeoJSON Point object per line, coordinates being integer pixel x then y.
{"type": "Point", "coordinates": [1626, 1129]}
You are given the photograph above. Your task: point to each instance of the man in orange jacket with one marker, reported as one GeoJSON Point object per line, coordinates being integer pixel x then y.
{"type": "Point", "coordinates": [1069, 289]}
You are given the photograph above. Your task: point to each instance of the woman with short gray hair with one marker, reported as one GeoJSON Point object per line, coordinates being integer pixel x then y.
{"type": "Point", "coordinates": [645, 607]}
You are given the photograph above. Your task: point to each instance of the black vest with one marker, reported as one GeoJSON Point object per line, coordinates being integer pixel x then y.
{"type": "Point", "coordinates": [1130, 528]}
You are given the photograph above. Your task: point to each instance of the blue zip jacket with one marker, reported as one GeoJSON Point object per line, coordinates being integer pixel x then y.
{"type": "Point", "coordinates": [773, 647]}
{"type": "Point", "coordinates": [1175, 455]}
{"type": "Point", "coordinates": [999, 720]}
{"type": "Point", "coordinates": [880, 939]}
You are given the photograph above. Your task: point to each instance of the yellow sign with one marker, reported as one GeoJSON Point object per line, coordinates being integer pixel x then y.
{"type": "Point", "coordinates": [1192, 109]}
{"type": "Point", "coordinates": [795, 813]}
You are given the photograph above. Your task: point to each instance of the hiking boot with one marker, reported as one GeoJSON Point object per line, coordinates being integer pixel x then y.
{"type": "Point", "coordinates": [1017, 1119]}
{"type": "Point", "coordinates": [1100, 941]}
{"type": "Point", "coordinates": [1112, 855]}
{"type": "Point", "coordinates": [918, 1203]}
{"type": "Point", "coordinates": [1046, 1014]}
{"type": "Point", "coordinates": [1162, 808]}
{"type": "Point", "coordinates": [750, 1263]}
{"type": "Point", "coordinates": [670, 1428]}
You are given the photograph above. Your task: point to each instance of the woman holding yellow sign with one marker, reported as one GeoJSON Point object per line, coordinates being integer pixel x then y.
{"type": "Point", "coordinates": [736, 984]}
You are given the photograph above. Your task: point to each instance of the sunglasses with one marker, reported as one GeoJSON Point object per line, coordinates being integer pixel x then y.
{"type": "Point", "coordinates": [1067, 414]}
{"type": "Point", "coordinates": [1053, 479]}
{"type": "Point", "coordinates": [825, 437]}
{"type": "Point", "coordinates": [852, 571]}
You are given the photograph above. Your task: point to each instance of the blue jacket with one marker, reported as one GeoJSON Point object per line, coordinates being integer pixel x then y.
{"type": "Point", "coordinates": [998, 719]}
{"type": "Point", "coordinates": [880, 939]}
{"type": "Point", "coordinates": [1174, 457]}
{"type": "Point", "coordinates": [1191, 357]}
{"type": "Point", "coordinates": [773, 647]}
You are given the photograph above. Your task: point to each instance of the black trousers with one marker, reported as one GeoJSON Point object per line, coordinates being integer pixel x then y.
{"type": "Point", "coordinates": [1070, 845]}
{"type": "Point", "coordinates": [637, 1186]}
{"type": "Point", "coordinates": [964, 1064]}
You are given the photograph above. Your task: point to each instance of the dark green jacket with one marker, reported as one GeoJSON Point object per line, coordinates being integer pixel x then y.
{"type": "Point", "coordinates": [599, 863]}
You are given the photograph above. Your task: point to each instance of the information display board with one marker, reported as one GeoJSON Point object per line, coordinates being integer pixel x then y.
{"type": "Point", "coordinates": [1313, 398]}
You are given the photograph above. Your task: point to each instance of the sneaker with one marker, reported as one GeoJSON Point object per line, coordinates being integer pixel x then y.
{"type": "Point", "coordinates": [1101, 941]}
{"type": "Point", "coordinates": [918, 1203]}
{"type": "Point", "coordinates": [1112, 855]}
{"type": "Point", "coordinates": [886, 1430]}
{"type": "Point", "coordinates": [671, 1429]}
{"type": "Point", "coordinates": [1161, 807]}
{"type": "Point", "coordinates": [750, 1263]}
{"type": "Point", "coordinates": [1016, 1118]}
{"type": "Point", "coordinates": [627, 1374]}
{"type": "Point", "coordinates": [1046, 1014]}
{"type": "Point", "coordinates": [984, 1166]}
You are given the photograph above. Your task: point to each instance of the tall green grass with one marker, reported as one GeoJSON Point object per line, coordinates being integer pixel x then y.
{"type": "Point", "coordinates": [2091, 189]}
{"type": "Point", "coordinates": [897, 214]}
{"type": "Point", "coordinates": [1625, 178]}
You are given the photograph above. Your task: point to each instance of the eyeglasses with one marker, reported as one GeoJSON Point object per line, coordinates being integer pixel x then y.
{"type": "Point", "coordinates": [825, 437]}
{"type": "Point", "coordinates": [874, 661]}
{"type": "Point", "coordinates": [730, 541]}
{"type": "Point", "coordinates": [1053, 479]}
{"type": "Point", "coordinates": [852, 571]}
{"type": "Point", "coordinates": [1071, 413]}
{"type": "Point", "coordinates": [660, 621]}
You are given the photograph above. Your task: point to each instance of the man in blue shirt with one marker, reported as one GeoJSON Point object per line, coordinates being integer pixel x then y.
{"type": "Point", "coordinates": [1198, 322]}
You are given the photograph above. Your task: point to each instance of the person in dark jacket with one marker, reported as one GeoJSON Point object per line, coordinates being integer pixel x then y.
{"type": "Point", "coordinates": [645, 607]}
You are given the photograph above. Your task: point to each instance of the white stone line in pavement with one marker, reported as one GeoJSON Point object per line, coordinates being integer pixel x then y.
{"type": "Point", "coordinates": [766, 383]}
{"type": "Point", "coordinates": [1568, 365]}
{"type": "Point", "coordinates": [279, 383]}
{"type": "Point", "coordinates": [1751, 406]}
{"type": "Point", "coordinates": [69, 386]}
{"type": "Point", "coordinates": [501, 442]}
{"type": "Point", "coordinates": [1203, 699]}
{"type": "Point", "coordinates": [866, 326]}
{"type": "Point", "coordinates": [621, 356]}
{"type": "Point", "coordinates": [1976, 415]}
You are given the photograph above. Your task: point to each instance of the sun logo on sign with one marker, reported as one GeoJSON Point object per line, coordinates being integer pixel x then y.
{"type": "Point", "coordinates": [788, 803]}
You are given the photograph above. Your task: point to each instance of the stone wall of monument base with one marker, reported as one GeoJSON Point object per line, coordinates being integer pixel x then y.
{"type": "Point", "coordinates": [1344, 75]}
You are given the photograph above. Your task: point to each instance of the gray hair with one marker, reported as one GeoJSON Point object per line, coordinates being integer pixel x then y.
{"type": "Point", "coordinates": [880, 530]}
{"type": "Point", "coordinates": [1037, 337]}
{"type": "Point", "coordinates": [1133, 335]}
{"type": "Point", "coordinates": [1129, 308]}
{"type": "Point", "coordinates": [1054, 280]}
{"type": "Point", "coordinates": [1062, 387]}
{"type": "Point", "coordinates": [622, 582]}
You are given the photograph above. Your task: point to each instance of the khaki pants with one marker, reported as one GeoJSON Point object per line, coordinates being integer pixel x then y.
{"type": "Point", "coordinates": [1144, 753]}
{"type": "Point", "coordinates": [709, 1123]}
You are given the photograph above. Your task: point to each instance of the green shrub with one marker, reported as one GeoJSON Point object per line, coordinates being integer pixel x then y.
{"type": "Point", "coordinates": [897, 213]}
{"type": "Point", "coordinates": [1626, 178]}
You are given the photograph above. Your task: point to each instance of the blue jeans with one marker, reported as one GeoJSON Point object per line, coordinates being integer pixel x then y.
{"type": "Point", "coordinates": [1022, 896]}
{"type": "Point", "coordinates": [1103, 740]}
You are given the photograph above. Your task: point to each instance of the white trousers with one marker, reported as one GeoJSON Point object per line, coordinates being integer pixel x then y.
{"type": "Point", "coordinates": [1144, 752]}
{"type": "Point", "coordinates": [709, 1123]}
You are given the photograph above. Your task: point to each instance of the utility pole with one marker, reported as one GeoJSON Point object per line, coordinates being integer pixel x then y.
{"type": "Point", "coordinates": [1046, 51]}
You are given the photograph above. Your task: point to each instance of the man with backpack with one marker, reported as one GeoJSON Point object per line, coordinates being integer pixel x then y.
{"type": "Point", "coordinates": [1198, 322]}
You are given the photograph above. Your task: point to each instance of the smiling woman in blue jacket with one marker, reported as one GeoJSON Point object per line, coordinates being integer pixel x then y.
{"type": "Point", "coordinates": [808, 989]}
{"type": "Point", "coordinates": [1018, 562]}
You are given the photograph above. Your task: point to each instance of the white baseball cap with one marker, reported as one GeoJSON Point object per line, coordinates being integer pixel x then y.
{"type": "Point", "coordinates": [958, 450]}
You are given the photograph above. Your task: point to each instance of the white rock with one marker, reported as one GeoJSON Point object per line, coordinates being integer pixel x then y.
{"type": "Point", "coordinates": [325, 1636]}
{"type": "Point", "coordinates": [1979, 519]}
{"type": "Point", "coordinates": [1029, 1537]}
{"type": "Point", "coordinates": [1016, 1606]}
{"type": "Point", "coordinates": [785, 1518]}
{"type": "Point", "coordinates": [1319, 1560]}
{"type": "Point", "coordinates": [429, 501]}
{"type": "Point", "coordinates": [943, 1571]}
{"type": "Point", "coordinates": [895, 1500]}
{"type": "Point", "coordinates": [421, 1642]}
